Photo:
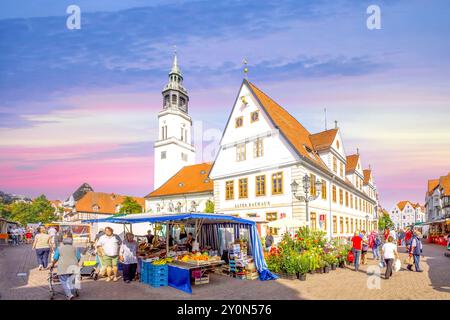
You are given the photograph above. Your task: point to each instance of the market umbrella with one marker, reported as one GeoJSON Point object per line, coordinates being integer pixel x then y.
{"type": "Point", "coordinates": [288, 223]}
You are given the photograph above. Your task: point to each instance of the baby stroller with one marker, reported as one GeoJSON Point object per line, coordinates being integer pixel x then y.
{"type": "Point", "coordinates": [52, 281]}
{"type": "Point", "coordinates": [90, 266]}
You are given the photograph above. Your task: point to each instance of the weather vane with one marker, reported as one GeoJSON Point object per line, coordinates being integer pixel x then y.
{"type": "Point", "coordinates": [244, 62]}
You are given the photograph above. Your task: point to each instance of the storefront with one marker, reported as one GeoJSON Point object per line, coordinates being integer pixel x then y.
{"type": "Point", "coordinates": [439, 231]}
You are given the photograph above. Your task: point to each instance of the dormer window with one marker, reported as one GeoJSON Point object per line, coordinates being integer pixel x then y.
{"type": "Point", "coordinates": [202, 172]}
{"type": "Point", "coordinates": [95, 208]}
{"type": "Point", "coordinates": [337, 144]}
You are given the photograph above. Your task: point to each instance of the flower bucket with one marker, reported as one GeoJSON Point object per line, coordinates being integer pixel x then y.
{"type": "Point", "coordinates": [302, 277]}
{"type": "Point", "coordinates": [333, 266]}
{"type": "Point", "coordinates": [326, 269]}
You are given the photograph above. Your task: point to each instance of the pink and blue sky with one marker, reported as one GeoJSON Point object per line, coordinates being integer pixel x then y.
{"type": "Point", "coordinates": [80, 105]}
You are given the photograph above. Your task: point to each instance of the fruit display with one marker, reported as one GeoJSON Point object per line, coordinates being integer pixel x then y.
{"type": "Point", "coordinates": [163, 261]}
{"type": "Point", "coordinates": [198, 258]}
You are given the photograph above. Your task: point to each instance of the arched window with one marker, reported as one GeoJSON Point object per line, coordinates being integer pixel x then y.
{"type": "Point", "coordinates": [166, 100]}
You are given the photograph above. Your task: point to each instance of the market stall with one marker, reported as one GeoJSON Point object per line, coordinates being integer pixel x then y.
{"type": "Point", "coordinates": [219, 241]}
{"type": "Point", "coordinates": [439, 231]}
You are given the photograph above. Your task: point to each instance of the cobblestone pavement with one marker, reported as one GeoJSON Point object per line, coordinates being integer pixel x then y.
{"type": "Point", "coordinates": [433, 283]}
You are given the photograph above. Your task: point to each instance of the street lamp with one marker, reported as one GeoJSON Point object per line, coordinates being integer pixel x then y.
{"type": "Point", "coordinates": [306, 197]}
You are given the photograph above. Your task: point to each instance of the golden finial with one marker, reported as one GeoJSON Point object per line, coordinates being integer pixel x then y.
{"type": "Point", "coordinates": [244, 62]}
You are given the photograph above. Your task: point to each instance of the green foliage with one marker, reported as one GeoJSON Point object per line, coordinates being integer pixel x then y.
{"type": "Point", "coordinates": [40, 210]}
{"type": "Point", "coordinates": [5, 210]}
{"type": "Point", "coordinates": [129, 205]}
{"type": "Point", "coordinates": [274, 262]}
{"type": "Point", "coordinates": [384, 221]}
{"type": "Point", "coordinates": [209, 207]}
{"type": "Point", "coordinates": [303, 263]}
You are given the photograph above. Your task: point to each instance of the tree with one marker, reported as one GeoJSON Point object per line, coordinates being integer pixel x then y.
{"type": "Point", "coordinates": [40, 210]}
{"type": "Point", "coordinates": [385, 221]}
{"type": "Point", "coordinates": [129, 205]}
{"type": "Point", "coordinates": [209, 207]}
{"type": "Point", "coordinates": [5, 210]}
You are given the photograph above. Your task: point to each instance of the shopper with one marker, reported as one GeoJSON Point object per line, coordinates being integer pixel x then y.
{"type": "Point", "coordinates": [42, 244]}
{"type": "Point", "coordinates": [189, 242]}
{"type": "Point", "coordinates": [376, 247]}
{"type": "Point", "coordinates": [268, 240]}
{"type": "Point", "coordinates": [356, 248]}
{"type": "Point", "coordinates": [408, 238]}
{"type": "Point", "coordinates": [389, 254]}
{"type": "Point", "coordinates": [386, 233]}
{"type": "Point", "coordinates": [128, 257]}
{"type": "Point", "coordinates": [68, 258]}
{"type": "Point", "coordinates": [15, 236]}
{"type": "Point", "coordinates": [364, 247]}
{"type": "Point", "coordinates": [29, 235]}
{"type": "Point", "coordinates": [108, 247]}
{"type": "Point", "coordinates": [415, 251]}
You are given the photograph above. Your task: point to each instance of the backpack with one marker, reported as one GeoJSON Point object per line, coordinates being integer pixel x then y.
{"type": "Point", "coordinates": [377, 242]}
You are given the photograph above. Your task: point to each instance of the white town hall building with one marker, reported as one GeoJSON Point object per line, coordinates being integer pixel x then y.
{"type": "Point", "coordinates": [263, 150]}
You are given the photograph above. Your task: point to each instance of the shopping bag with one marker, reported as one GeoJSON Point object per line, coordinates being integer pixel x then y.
{"type": "Point", "coordinates": [350, 257]}
{"type": "Point", "coordinates": [397, 265]}
{"type": "Point", "coordinates": [382, 264]}
{"type": "Point", "coordinates": [409, 260]}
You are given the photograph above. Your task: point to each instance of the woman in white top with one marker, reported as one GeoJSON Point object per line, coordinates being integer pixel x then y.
{"type": "Point", "coordinates": [390, 253]}
{"type": "Point", "coordinates": [128, 257]}
{"type": "Point", "coordinates": [42, 243]}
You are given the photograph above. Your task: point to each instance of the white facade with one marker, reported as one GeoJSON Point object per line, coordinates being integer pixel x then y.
{"type": "Point", "coordinates": [437, 199]}
{"type": "Point", "coordinates": [241, 164]}
{"type": "Point", "coordinates": [403, 215]}
{"type": "Point", "coordinates": [174, 149]}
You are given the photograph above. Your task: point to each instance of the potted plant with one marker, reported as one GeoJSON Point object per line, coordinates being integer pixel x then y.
{"type": "Point", "coordinates": [288, 265]}
{"type": "Point", "coordinates": [320, 265]}
{"type": "Point", "coordinates": [302, 266]}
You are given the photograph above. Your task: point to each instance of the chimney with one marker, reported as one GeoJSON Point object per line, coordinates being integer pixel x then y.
{"type": "Point", "coordinates": [357, 151]}
{"type": "Point", "coordinates": [335, 124]}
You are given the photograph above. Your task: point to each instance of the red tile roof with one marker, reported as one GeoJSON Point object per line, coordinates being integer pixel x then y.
{"type": "Point", "coordinates": [106, 202]}
{"type": "Point", "coordinates": [190, 179]}
{"type": "Point", "coordinates": [352, 162]}
{"type": "Point", "coordinates": [367, 175]}
{"type": "Point", "coordinates": [290, 128]}
{"type": "Point", "coordinates": [444, 185]}
{"type": "Point", "coordinates": [323, 140]}
{"type": "Point", "coordinates": [432, 184]}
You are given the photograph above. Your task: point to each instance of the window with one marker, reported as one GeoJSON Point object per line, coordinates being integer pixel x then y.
{"type": "Point", "coordinates": [277, 183]}
{"type": "Point", "coordinates": [239, 122]}
{"type": "Point", "coordinates": [337, 144]}
{"type": "Point", "coordinates": [163, 132]}
{"type": "Point", "coordinates": [254, 116]}
{"type": "Point", "coordinates": [229, 190]}
{"type": "Point", "coordinates": [182, 134]}
{"type": "Point", "coordinates": [240, 152]}
{"type": "Point", "coordinates": [258, 149]}
{"type": "Point", "coordinates": [313, 221]}
{"type": "Point", "coordinates": [243, 188]}
{"type": "Point", "coordinates": [334, 165]}
{"type": "Point", "coordinates": [341, 169]}
{"type": "Point", "coordinates": [346, 198]}
{"type": "Point", "coordinates": [272, 216]}
{"type": "Point", "coordinates": [360, 204]}
{"type": "Point", "coordinates": [356, 224]}
{"type": "Point", "coordinates": [351, 201]}
{"type": "Point", "coordinates": [174, 99]}
{"type": "Point", "coordinates": [184, 156]}
{"type": "Point", "coordinates": [182, 101]}
{"type": "Point", "coordinates": [334, 194]}
{"type": "Point", "coordinates": [325, 222]}
{"type": "Point", "coordinates": [324, 190]}
{"type": "Point", "coordinates": [334, 224]}
{"type": "Point", "coordinates": [163, 154]}
{"type": "Point", "coordinates": [341, 225]}
{"type": "Point", "coordinates": [166, 101]}
{"type": "Point", "coordinates": [351, 224]}
{"type": "Point", "coordinates": [260, 186]}
{"type": "Point", "coordinates": [341, 197]}
{"type": "Point", "coordinates": [346, 225]}
{"type": "Point", "coordinates": [313, 184]}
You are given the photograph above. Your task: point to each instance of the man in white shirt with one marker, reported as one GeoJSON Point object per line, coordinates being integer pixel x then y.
{"type": "Point", "coordinates": [108, 247]}
{"type": "Point", "coordinates": [390, 253]}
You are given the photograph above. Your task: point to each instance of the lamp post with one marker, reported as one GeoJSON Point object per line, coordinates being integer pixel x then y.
{"type": "Point", "coordinates": [307, 196]}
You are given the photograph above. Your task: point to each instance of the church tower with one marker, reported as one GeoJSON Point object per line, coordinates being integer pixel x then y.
{"type": "Point", "coordinates": [174, 149]}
